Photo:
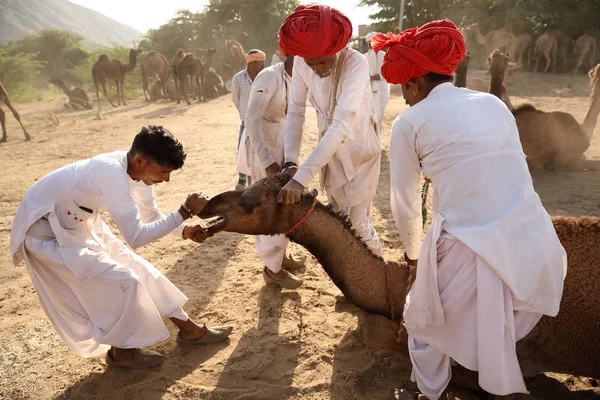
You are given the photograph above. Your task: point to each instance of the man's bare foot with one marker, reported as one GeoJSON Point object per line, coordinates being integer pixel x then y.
{"type": "Point", "coordinates": [282, 278]}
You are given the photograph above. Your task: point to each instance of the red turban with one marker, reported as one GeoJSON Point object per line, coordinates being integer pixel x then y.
{"type": "Point", "coordinates": [314, 31]}
{"type": "Point", "coordinates": [437, 46]}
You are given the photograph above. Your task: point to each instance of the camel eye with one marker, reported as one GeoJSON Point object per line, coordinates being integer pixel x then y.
{"type": "Point", "coordinates": [249, 201]}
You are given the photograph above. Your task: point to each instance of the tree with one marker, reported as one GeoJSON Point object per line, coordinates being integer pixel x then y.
{"type": "Point", "coordinates": [18, 72]}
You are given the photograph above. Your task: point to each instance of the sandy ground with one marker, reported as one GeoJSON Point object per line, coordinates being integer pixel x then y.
{"type": "Point", "coordinates": [290, 344]}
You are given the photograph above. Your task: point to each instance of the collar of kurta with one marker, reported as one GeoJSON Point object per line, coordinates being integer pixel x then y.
{"type": "Point", "coordinates": [439, 89]}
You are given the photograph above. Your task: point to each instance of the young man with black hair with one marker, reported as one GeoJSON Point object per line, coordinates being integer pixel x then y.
{"type": "Point", "coordinates": [100, 296]}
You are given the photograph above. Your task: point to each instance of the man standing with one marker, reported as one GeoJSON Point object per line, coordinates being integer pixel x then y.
{"type": "Point", "coordinates": [99, 295]}
{"type": "Point", "coordinates": [240, 93]}
{"type": "Point", "coordinates": [379, 86]}
{"type": "Point", "coordinates": [276, 58]}
{"type": "Point", "coordinates": [491, 263]}
{"type": "Point", "coordinates": [349, 151]}
{"type": "Point", "coordinates": [264, 137]}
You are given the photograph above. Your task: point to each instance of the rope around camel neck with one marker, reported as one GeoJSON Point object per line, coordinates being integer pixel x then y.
{"type": "Point", "coordinates": [303, 218]}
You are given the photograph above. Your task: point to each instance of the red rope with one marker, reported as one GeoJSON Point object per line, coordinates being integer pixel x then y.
{"type": "Point", "coordinates": [304, 217]}
{"type": "Point", "coordinates": [389, 290]}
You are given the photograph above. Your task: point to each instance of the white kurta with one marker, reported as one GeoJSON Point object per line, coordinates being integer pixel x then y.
{"type": "Point", "coordinates": [467, 143]}
{"type": "Point", "coordinates": [349, 148]}
{"type": "Point", "coordinates": [263, 138]}
{"type": "Point", "coordinates": [380, 88]}
{"type": "Point", "coordinates": [95, 290]}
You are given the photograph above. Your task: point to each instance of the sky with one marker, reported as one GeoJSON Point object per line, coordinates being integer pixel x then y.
{"type": "Point", "coordinates": [143, 15]}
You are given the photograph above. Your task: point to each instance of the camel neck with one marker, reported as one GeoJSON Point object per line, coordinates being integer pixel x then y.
{"type": "Point", "coordinates": [352, 267]}
{"type": "Point", "coordinates": [591, 117]}
{"type": "Point", "coordinates": [497, 86]}
{"type": "Point", "coordinates": [460, 78]}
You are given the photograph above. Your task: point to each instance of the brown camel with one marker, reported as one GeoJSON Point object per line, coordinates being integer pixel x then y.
{"type": "Point", "coordinates": [154, 64]}
{"type": "Point", "coordinates": [569, 343]}
{"type": "Point", "coordinates": [498, 67]}
{"type": "Point", "coordinates": [585, 51]}
{"type": "Point", "coordinates": [6, 100]}
{"type": "Point", "coordinates": [175, 61]}
{"type": "Point", "coordinates": [523, 48]}
{"type": "Point", "coordinates": [501, 38]}
{"type": "Point", "coordinates": [555, 140]}
{"type": "Point", "coordinates": [563, 44]}
{"type": "Point", "coordinates": [78, 98]}
{"type": "Point", "coordinates": [547, 46]}
{"type": "Point", "coordinates": [108, 68]}
{"type": "Point", "coordinates": [213, 83]}
{"type": "Point", "coordinates": [191, 66]}
{"type": "Point", "coordinates": [237, 55]}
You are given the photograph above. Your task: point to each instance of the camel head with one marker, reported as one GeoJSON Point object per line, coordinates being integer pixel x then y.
{"type": "Point", "coordinates": [201, 52]}
{"type": "Point", "coordinates": [211, 52]}
{"type": "Point", "coordinates": [255, 211]}
{"type": "Point", "coordinates": [498, 63]}
{"type": "Point", "coordinates": [464, 64]}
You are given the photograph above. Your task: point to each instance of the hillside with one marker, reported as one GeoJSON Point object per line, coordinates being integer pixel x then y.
{"type": "Point", "coordinates": [20, 18]}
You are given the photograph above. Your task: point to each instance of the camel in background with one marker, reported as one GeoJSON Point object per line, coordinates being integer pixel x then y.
{"type": "Point", "coordinates": [6, 100]}
{"type": "Point", "coordinates": [585, 51]}
{"type": "Point", "coordinates": [154, 64]}
{"type": "Point", "coordinates": [78, 98]}
{"type": "Point", "coordinates": [213, 83]}
{"type": "Point", "coordinates": [191, 66]}
{"type": "Point", "coordinates": [563, 44]}
{"type": "Point", "coordinates": [524, 47]}
{"type": "Point", "coordinates": [501, 38]}
{"type": "Point", "coordinates": [108, 68]}
{"type": "Point", "coordinates": [175, 61]}
{"type": "Point", "coordinates": [546, 46]}
{"type": "Point", "coordinates": [498, 67]}
{"type": "Point", "coordinates": [237, 55]}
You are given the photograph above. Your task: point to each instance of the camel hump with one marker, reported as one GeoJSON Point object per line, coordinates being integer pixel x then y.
{"type": "Point", "coordinates": [103, 57]}
{"type": "Point", "coordinates": [180, 53]}
{"type": "Point", "coordinates": [524, 108]}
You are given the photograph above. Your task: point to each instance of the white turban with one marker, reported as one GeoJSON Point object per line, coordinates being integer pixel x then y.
{"type": "Point", "coordinates": [370, 36]}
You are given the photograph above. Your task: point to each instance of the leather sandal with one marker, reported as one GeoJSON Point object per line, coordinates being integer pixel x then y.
{"type": "Point", "coordinates": [141, 359]}
{"type": "Point", "coordinates": [214, 334]}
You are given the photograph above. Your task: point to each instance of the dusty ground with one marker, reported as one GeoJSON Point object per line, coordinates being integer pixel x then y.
{"type": "Point", "coordinates": [297, 345]}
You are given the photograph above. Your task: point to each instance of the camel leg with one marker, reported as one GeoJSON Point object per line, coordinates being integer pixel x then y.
{"type": "Point", "coordinates": [176, 79]}
{"type": "Point", "coordinates": [183, 83]}
{"type": "Point", "coordinates": [106, 94]}
{"type": "Point", "coordinates": [145, 87]}
{"type": "Point", "coordinates": [122, 83]}
{"type": "Point", "coordinates": [3, 123]}
{"type": "Point", "coordinates": [547, 57]}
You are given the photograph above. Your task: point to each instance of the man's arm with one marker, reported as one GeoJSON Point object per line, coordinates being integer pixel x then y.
{"type": "Point", "coordinates": [145, 200]}
{"type": "Point", "coordinates": [405, 193]}
{"type": "Point", "coordinates": [296, 114]}
{"type": "Point", "coordinates": [235, 92]}
{"type": "Point", "coordinates": [353, 83]}
{"type": "Point", "coordinates": [263, 89]}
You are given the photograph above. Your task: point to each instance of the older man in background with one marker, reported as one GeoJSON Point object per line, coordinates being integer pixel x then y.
{"type": "Point", "coordinates": [379, 86]}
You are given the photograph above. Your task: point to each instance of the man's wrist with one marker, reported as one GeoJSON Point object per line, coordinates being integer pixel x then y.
{"type": "Point", "coordinates": [185, 212]}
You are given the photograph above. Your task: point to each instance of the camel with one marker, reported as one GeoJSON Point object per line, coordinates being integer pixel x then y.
{"type": "Point", "coordinates": [501, 38]}
{"type": "Point", "coordinates": [547, 46]}
{"type": "Point", "coordinates": [524, 47]}
{"type": "Point", "coordinates": [191, 66]}
{"type": "Point", "coordinates": [237, 55]}
{"type": "Point", "coordinates": [568, 343]}
{"type": "Point", "coordinates": [478, 84]}
{"type": "Point", "coordinates": [498, 67]}
{"type": "Point", "coordinates": [154, 64]}
{"type": "Point", "coordinates": [108, 68]}
{"type": "Point", "coordinates": [175, 61]}
{"type": "Point", "coordinates": [213, 83]}
{"type": "Point", "coordinates": [555, 140]}
{"type": "Point", "coordinates": [563, 43]}
{"type": "Point", "coordinates": [78, 98]}
{"type": "Point", "coordinates": [6, 100]}
{"type": "Point", "coordinates": [585, 50]}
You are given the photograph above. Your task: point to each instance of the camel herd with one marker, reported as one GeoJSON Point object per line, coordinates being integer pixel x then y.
{"type": "Point", "coordinates": [559, 50]}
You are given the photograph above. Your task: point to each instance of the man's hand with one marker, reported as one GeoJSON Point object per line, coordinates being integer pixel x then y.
{"type": "Point", "coordinates": [273, 169]}
{"type": "Point", "coordinates": [290, 193]}
{"type": "Point", "coordinates": [196, 233]}
{"type": "Point", "coordinates": [290, 168]}
{"type": "Point", "coordinates": [196, 202]}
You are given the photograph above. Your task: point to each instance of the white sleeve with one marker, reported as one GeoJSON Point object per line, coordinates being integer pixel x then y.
{"type": "Point", "coordinates": [235, 93]}
{"type": "Point", "coordinates": [263, 89]}
{"type": "Point", "coordinates": [405, 193]}
{"type": "Point", "coordinates": [294, 123]}
{"type": "Point", "coordinates": [145, 200]}
{"type": "Point", "coordinates": [114, 186]}
{"type": "Point", "coordinates": [353, 83]}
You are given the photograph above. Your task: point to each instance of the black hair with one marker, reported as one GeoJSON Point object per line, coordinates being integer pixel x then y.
{"type": "Point", "coordinates": [158, 145]}
{"type": "Point", "coordinates": [432, 77]}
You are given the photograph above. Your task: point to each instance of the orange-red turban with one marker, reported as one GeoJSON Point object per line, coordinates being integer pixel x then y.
{"type": "Point", "coordinates": [314, 31]}
{"type": "Point", "coordinates": [437, 46]}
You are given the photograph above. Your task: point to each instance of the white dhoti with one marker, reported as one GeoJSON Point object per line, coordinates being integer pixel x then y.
{"type": "Point", "coordinates": [360, 217]}
{"type": "Point", "coordinates": [122, 305]}
{"type": "Point", "coordinates": [480, 327]}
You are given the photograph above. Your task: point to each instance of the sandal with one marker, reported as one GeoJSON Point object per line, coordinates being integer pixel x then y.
{"type": "Point", "coordinates": [214, 334]}
{"type": "Point", "coordinates": [141, 359]}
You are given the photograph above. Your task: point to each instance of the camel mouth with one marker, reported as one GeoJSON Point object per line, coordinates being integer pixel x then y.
{"type": "Point", "coordinates": [215, 225]}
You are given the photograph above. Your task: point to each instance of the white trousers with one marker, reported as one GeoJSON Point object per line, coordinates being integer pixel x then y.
{"type": "Point", "coordinates": [271, 250]}
{"type": "Point", "coordinates": [360, 216]}
{"type": "Point", "coordinates": [480, 331]}
{"type": "Point", "coordinates": [124, 306]}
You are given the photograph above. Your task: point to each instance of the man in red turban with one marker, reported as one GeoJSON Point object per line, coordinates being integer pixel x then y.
{"type": "Point", "coordinates": [349, 150]}
{"type": "Point", "coordinates": [491, 263]}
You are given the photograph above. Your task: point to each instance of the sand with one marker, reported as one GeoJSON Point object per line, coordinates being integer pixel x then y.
{"type": "Point", "coordinates": [286, 344]}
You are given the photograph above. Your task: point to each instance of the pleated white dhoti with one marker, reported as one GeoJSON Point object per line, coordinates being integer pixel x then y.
{"type": "Point", "coordinates": [480, 330]}
{"type": "Point", "coordinates": [123, 306]}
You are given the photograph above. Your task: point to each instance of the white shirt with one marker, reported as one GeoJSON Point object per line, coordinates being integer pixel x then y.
{"type": "Point", "coordinates": [100, 183]}
{"type": "Point", "coordinates": [265, 121]}
{"type": "Point", "coordinates": [467, 143]}
{"type": "Point", "coordinates": [379, 88]}
{"type": "Point", "coordinates": [351, 146]}
{"type": "Point", "coordinates": [241, 85]}
{"type": "Point", "coordinates": [275, 59]}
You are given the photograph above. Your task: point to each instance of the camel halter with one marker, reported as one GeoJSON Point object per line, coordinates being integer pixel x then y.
{"type": "Point", "coordinates": [303, 218]}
